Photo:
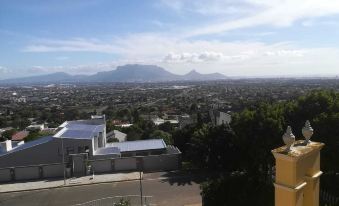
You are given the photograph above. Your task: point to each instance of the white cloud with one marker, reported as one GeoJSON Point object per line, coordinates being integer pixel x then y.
{"type": "Point", "coordinates": [62, 58]}
{"type": "Point", "coordinates": [290, 53]}
{"type": "Point", "coordinates": [209, 8]}
{"type": "Point", "coordinates": [307, 23]}
{"type": "Point", "coordinates": [72, 45]}
{"type": "Point", "coordinates": [4, 70]}
{"type": "Point", "coordinates": [73, 69]}
{"type": "Point", "coordinates": [177, 52]}
{"type": "Point", "coordinates": [207, 56]}
{"type": "Point", "coordinates": [277, 13]}
{"type": "Point", "coordinates": [231, 58]}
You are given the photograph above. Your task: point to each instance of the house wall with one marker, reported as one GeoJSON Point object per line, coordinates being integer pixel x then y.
{"type": "Point", "coordinates": [224, 118]}
{"type": "Point", "coordinates": [125, 164]}
{"type": "Point", "coordinates": [54, 170]}
{"type": "Point", "coordinates": [162, 162]}
{"type": "Point", "coordinates": [104, 137]}
{"type": "Point", "coordinates": [101, 166]}
{"type": "Point", "coordinates": [108, 156]}
{"type": "Point", "coordinates": [27, 173]}
{"type": "Point", "coordinates": [45, 153]}
{"type": "Point", "coordinates": [5, 175]}
{"type": "Point", "coordinates": [96, 143]}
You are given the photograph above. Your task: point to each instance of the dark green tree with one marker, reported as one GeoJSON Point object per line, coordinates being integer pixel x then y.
{"type": "Point", "coordinates": [159, 134]}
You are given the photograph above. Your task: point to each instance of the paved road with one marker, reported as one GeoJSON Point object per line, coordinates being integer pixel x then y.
{"type": "Point", "coordinates": [165, 191]}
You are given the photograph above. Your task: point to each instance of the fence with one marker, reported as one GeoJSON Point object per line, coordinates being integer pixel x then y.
{"type": "Point", "coordinates": [149, 163]}
{"type": "Point", "coordinates": [133, 200]}
{"type": "Point", "coordinates": [31, 172]}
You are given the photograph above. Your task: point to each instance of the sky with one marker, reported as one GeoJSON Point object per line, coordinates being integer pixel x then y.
{"type": "Point", "coordinates": [240, 38]}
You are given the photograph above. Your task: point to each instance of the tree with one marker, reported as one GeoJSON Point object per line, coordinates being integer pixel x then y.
{"type": "Point", "coordinates": [213, 148]}
{"type": "Point", "coordinates": [135, 115]}
{"type": "Point", "coordinates": [166, 127]}
{"type": "Point", "coordinates": [134, 133]}
{"type": "Point", "coordinates": [7, 135]}
{"type": "Point", "coordinates": [257, 131]}
{"type": "Point", "coordinates": [159, 134]}
{"type": "Point", "coordinates": [182, 138]}
{"type": "Point", "coordinates": [124, 114]}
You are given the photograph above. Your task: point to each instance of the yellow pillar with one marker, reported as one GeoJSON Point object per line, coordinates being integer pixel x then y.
{"type": "Point", "coordinates": [297, 174]}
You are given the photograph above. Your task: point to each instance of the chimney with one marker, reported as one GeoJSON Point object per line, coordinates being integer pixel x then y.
{"type": "Point", "coordinates": [6, 145]}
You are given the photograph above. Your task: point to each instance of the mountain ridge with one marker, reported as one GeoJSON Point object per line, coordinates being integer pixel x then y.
{"type": "Point", "coordinates": [125, 73]}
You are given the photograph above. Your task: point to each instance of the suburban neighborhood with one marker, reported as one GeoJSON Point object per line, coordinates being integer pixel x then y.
{"type": "Point", "coordinates": [169, 102]}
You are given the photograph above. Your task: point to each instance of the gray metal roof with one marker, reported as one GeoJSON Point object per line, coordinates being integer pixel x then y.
{"type": "Point", "coordinates": [77, 134]}
{"type": "Point", "coordinates": [79, 126]}
{"type": "Point", "coordinates": [80, 130]}
{"type": "Point", "coordinates": [30, 144]}
{"type": "Point", "coordinates": [139, 145]}
{"type": "Point", "coordinates": [107, 151]}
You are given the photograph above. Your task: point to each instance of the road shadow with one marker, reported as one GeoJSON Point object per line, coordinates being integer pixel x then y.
{"type": "Point", "coordinates": [181, 178]}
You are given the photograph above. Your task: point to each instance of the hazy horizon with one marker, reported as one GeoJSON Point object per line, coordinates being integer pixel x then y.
{"type": "Point", "coordinates": [246, 38]}
{"type": "Point", "coordinates": [314, 76]}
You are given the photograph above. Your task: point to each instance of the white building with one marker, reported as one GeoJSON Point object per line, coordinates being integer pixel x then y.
{"type": "Point", "coordinates": [81, 143]}
{"type": "Point", "coordinates": [219, 118]}
{"type": "Point", "coordinates": [116, 134]}
{"type": "Point", "coordinates": [35, 127]}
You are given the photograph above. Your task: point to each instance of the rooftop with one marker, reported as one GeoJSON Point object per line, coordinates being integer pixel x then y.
{"type": "Point", "coordinates": [29, 144]}
{"type": "Point", "coordinates": [139, 145]}
{"type": "Point", "coordinates": [107, 151]}
{"type": "Point", "coordinates": [20, 135]}
{"type": "Point", "coordinates": [82, 129]}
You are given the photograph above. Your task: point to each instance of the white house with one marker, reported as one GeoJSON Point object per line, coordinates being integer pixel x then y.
{"type": "Point", "coordinates": [83, 141]}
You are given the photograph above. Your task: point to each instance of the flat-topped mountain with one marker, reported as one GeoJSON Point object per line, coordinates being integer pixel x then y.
{"type": "Point", "coordinates": [135, 73]}
{"type": "Point", "coordinates": [126, 73]}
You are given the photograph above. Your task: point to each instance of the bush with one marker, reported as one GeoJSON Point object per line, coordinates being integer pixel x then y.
{"type": "Point", "coordinates": [122, 202]}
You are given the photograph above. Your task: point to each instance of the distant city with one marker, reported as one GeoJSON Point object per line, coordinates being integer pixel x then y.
{"type": "Point", "coordinates": [169, 103]}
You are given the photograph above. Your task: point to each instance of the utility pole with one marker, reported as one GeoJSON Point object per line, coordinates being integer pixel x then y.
{"type": "Point", "coordinates": [141, 200]}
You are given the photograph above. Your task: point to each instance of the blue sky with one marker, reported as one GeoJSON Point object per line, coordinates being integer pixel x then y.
{"type": "Point", "coordinates": [233, 37]}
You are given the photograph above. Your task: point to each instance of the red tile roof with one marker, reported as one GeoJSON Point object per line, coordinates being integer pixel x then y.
{"type": "Point", "coordinates": [20, 135]}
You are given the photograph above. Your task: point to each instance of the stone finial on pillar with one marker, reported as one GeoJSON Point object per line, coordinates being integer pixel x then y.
{"type": "Point", "coordinates": [288, 138]}
{"type": "Point", "coordinates": [298, 171]}
{"type": "Point", "coordinates": [307, 131]}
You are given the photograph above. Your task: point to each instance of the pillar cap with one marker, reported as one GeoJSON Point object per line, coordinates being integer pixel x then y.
{"type": "Point", "coordinates": [298, 150]}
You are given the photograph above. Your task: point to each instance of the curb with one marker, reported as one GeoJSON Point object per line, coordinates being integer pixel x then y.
{"type": "Point", "coordinates": [65, 186]}
{"type": "Point", "coordinates": [93, 183]}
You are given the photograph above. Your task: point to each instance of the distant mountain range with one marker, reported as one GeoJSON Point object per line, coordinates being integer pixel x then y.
{"type": "Point", "coordinates": [126, 73]}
